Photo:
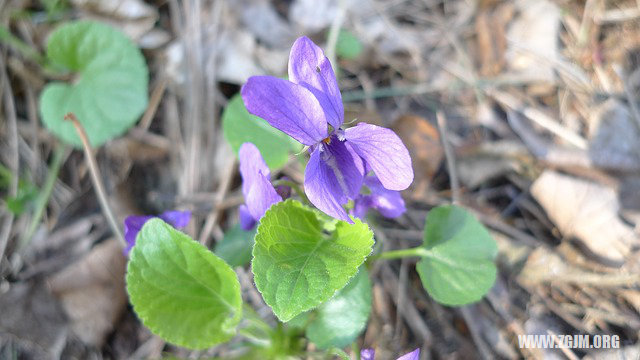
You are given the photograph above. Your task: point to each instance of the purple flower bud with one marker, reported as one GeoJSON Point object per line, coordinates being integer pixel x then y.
{"type": "Point", "coordinates": [133, 224]}
{"type": "Point", "coordinates": [258, 192]}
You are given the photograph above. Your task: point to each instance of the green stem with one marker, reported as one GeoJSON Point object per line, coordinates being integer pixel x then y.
{"type": "Point", "coordinates": [295, 187]}
{"type": "Point", "coordinates": [402, 253]}
{"type": "Point", "coordinates": [44, 195]}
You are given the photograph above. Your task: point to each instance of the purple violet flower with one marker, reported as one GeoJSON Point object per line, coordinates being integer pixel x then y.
{"type": "Point", "coordinates": [370, 354]}
{"type": "Point", "coordinates": [309, 108]}
{"type": "Point", "coordinates": [389, 203]}
{"type": "Point", "coordinates": [133, 224]}
{"type": "Point", "coordinates": [258, 192]}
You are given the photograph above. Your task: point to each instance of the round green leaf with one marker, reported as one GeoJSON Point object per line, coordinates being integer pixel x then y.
{"type": "Point", "coordinates": [339, 321]}
{"type": "Point", "coordinates": [297, 266]}
{"type": "Point", "coordinates": [108, 92]}
{"type": "Point", "coordinates": [457, 267]}
{"type": "Point", "coordinates": [180, 290]}
{"type": "Point", "coordinates": [235, 247]}
{"type": "Point", "coordinates": [240, 127]}
{"type": "Point", "coordinates": [348, 45]}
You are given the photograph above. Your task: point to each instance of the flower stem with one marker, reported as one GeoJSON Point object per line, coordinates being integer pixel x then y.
{"type": "Point", "coordinates": [402, 253]}
{"type": "Point", "coordinates": [96, 179]}
{"type": "Point", "coordinates": [295, 187]}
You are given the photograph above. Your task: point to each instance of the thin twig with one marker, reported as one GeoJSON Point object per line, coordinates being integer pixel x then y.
{"type": "Point", "coordinates": [96, 179]}
{"type": "Point", "coordinates": [451, 161]}
{"type": "Point", "coordinates": [152, 108]}
{"type": "Point", "coordinates": [223, 189]}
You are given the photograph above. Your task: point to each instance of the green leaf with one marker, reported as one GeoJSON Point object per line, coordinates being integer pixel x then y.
{"type": "Point", "coordinates": [348, 45]}
{"type": "Point", "coordinates": [297, 266]}
{"type": "Point", "coordinates": [108, 92]}
{"type": "Point", "coordinates": [240, 127]}
{"type": "Point", "coordinates": [339, 321]}
{"type": "Point", "coordinates": [27, 193]}
{"type": "Point", "coordinates": [457, 267]}
{"type": "Point", "coordinates": [180, 290]}
{"type": "Point", "coordinates": [235, 248]}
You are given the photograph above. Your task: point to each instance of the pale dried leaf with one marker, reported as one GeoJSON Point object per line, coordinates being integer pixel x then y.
{"type": "Point", "coordinates": [587, 211]}
{"type": "Point", "coordinates": [533, 40]}
{"type": "Point", "coordinates": [92, 292]}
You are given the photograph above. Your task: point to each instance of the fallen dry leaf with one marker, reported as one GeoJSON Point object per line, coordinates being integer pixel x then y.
{"type": "Point", "coordinates": [533, 40]}
{"type": "Point", "coordinates": [33, 317]}
{"type": "Point", "coordinates": [134, 17]}
{"type": "Point", "coordinates": [492, 40]}
{"type": "Point", "coordinates": [614, 137]}
{"type": "Point", "coordinates": [587, 211]}
{"type": "Point", "coordinates": [92, 291]}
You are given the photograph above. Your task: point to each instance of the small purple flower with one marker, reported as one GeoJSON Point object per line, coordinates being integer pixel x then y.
{"type": "Point", "coordinates": [258, 192]}
{"type": "Point", "coordinates": [309, 108]}
{"type": "Point", "coordinates": [370, 354]}
{"type": "Point", "coordinates": [133, 224]}
{"type": "Point", "coordinates": [389, 203]}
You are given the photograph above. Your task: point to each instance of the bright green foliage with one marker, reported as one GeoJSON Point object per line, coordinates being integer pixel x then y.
{"type": "Point", "coordinates": [235, 248]}
{"type": "Point", "coordinates": [297, 266]}
{"type": "Point", "coordinates": [339, 321]}
{"type": "Point", "coordinates": [108, 89]}
{"type": "Point", "coordinates": [457, 268]}
{"type": "Point", "coordinates": [27, 194]}
{"type": "Point", "coordinates": [180, 290]}
{"type": "Point", "coordinates": [348, 45]}
{"type": "Point", "coordinates": [240, 127]}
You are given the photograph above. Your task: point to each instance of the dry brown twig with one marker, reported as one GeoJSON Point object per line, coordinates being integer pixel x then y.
{"type": "Point", "coordinates": [96, 179]}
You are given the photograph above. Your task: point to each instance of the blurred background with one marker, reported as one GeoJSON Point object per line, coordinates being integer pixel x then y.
{"type": "Point", "coordinates": [537, 101]}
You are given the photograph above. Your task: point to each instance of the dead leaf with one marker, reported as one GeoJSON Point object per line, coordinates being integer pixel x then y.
{"type": "Point", "coordinates": [34, 318]}
{"type": "Point", "coordinates": [587, 211]}
{"type": "Point", "coordinates": [423, 142]}
{"type": "Point", "coordinates": [478, 164]}
{"type": "Point", "coordinates": [92, 291]}
{"type": "Point", "coordinates": [533, 40]}
{"type": "Point", "coordinates": [614, 138]}
{"type": "Point", "coordinates": [492, 40]}
{"type": "Point", "coordinates": [313, 15]}
{"type": "Point", "coordinates": [134, 17]}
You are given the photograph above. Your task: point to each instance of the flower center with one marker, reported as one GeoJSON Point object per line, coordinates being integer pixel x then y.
{"type": "Point", "coordinates": [327, 140]}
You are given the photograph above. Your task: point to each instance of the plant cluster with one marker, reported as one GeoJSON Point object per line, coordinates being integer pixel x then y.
{"type": "Point", "coordinates": [309, 244]}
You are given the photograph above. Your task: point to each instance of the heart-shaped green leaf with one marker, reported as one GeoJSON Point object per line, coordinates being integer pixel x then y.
{"type": "Point", "coordinates": [240, 127]}
{"type": "Point", "coordinates": [457, 267]}
{"type": "Point", "coordinates": [340, 320]}
{"type": "Point", "coordinates": [108, 92]}
{"type": "Point", "coordinates": [297, 266]}
{"type": "Point", "coordinates": [180, 290]}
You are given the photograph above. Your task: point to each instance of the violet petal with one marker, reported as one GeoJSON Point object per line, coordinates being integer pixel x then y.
{"type": "Point", "coordinates": [333, 177]}
{"type": "Point", "coordinates": [367, 354]}
{"type": "Point", "coordinates": [414, 355]}
{"type": "Point", "coordinates": [384, 152]}
{"type": "Point", "coordinates": [361, 205]}
{"type": "Point", "coordinates": [258, 192]}
{"type": "Point", "coordinates": [309, 67]}
{"type": "Point", "coordinates": [247, 222]}
{"type": "Point", "coordinates": [132, 226]}
{"type": "Point", "coordinates": [177, 219]}
{"type": "Point", "coordinates": [289, 107]}
{"type": "Point", "coordinates": [251, 165]}
{"type": "Point", "coordinates": [389, 203]}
